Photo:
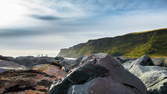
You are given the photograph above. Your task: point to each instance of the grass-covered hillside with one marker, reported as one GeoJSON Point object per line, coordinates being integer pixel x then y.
{"type": "Point", "coordinates": [153, 43]}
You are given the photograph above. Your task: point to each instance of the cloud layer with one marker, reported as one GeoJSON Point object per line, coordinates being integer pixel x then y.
{"type": "Point", "coordinates": [55, 24]}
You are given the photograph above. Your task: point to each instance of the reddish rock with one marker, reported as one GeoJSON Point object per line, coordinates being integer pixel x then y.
{"type": "Point", "coordinates": [35, 81]}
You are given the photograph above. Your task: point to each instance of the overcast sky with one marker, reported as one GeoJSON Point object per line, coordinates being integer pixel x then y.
{"type": "Point", "coordinates": [32, 27]}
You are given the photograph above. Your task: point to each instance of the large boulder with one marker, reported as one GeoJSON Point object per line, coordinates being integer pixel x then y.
{"type": "Point", "coordinates": [154, 77]}
{"type": "Point", "coordinates": [99, 75]}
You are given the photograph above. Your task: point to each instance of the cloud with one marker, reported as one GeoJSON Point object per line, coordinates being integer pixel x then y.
{"type": "Point", "coordinates": [87, 8]}
{"type": "Point", "coordinates": [57, 24]}
{"type": "Point", "coordinates": [45, 17]}
{"type": "Point", "coordinates": [9, 33]}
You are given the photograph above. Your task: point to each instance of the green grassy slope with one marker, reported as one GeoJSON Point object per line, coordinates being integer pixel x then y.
{"type": "Point", "coordinates": [153, 43]}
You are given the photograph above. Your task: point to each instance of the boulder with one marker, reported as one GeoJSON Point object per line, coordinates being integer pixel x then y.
{"type": "Point", "coordinates": [99, 75]}
{"type": "Point", "coordinates": [144, 60]}
{"type": "Point", "coordinates": [154, 77]}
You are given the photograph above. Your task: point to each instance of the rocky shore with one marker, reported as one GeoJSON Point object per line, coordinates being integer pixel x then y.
{"type": "Point", "coordinates": [95, 74]}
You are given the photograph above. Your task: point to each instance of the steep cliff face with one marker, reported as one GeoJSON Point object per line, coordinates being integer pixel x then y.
{"type": "Point", "coordinates": [153, 43]}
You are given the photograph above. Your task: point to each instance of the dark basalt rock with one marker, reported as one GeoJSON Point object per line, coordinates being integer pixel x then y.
{"type": "Point", "coordinates": [99, 75]}
{"type": "Point", "coordinates": [80, 76]}
{"type": "Point", "coordinates": [145, 61]}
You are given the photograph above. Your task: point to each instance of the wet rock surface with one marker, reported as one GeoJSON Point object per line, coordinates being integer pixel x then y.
{"type": "Point", "coordinates": [154, 77]}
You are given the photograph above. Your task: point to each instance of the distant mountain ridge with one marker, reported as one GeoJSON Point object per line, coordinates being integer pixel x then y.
{"type": "Point", "coordinates": [153, 43]}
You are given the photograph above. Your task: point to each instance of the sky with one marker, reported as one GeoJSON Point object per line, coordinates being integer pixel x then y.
{"type": "Point", "coordinates": [33, 27]}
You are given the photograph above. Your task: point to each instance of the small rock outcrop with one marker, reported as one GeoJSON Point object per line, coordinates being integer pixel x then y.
{"type": "Point", "coordinates": [144, 61]}
{"type": "Point", "coordinates": [99, 75]}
